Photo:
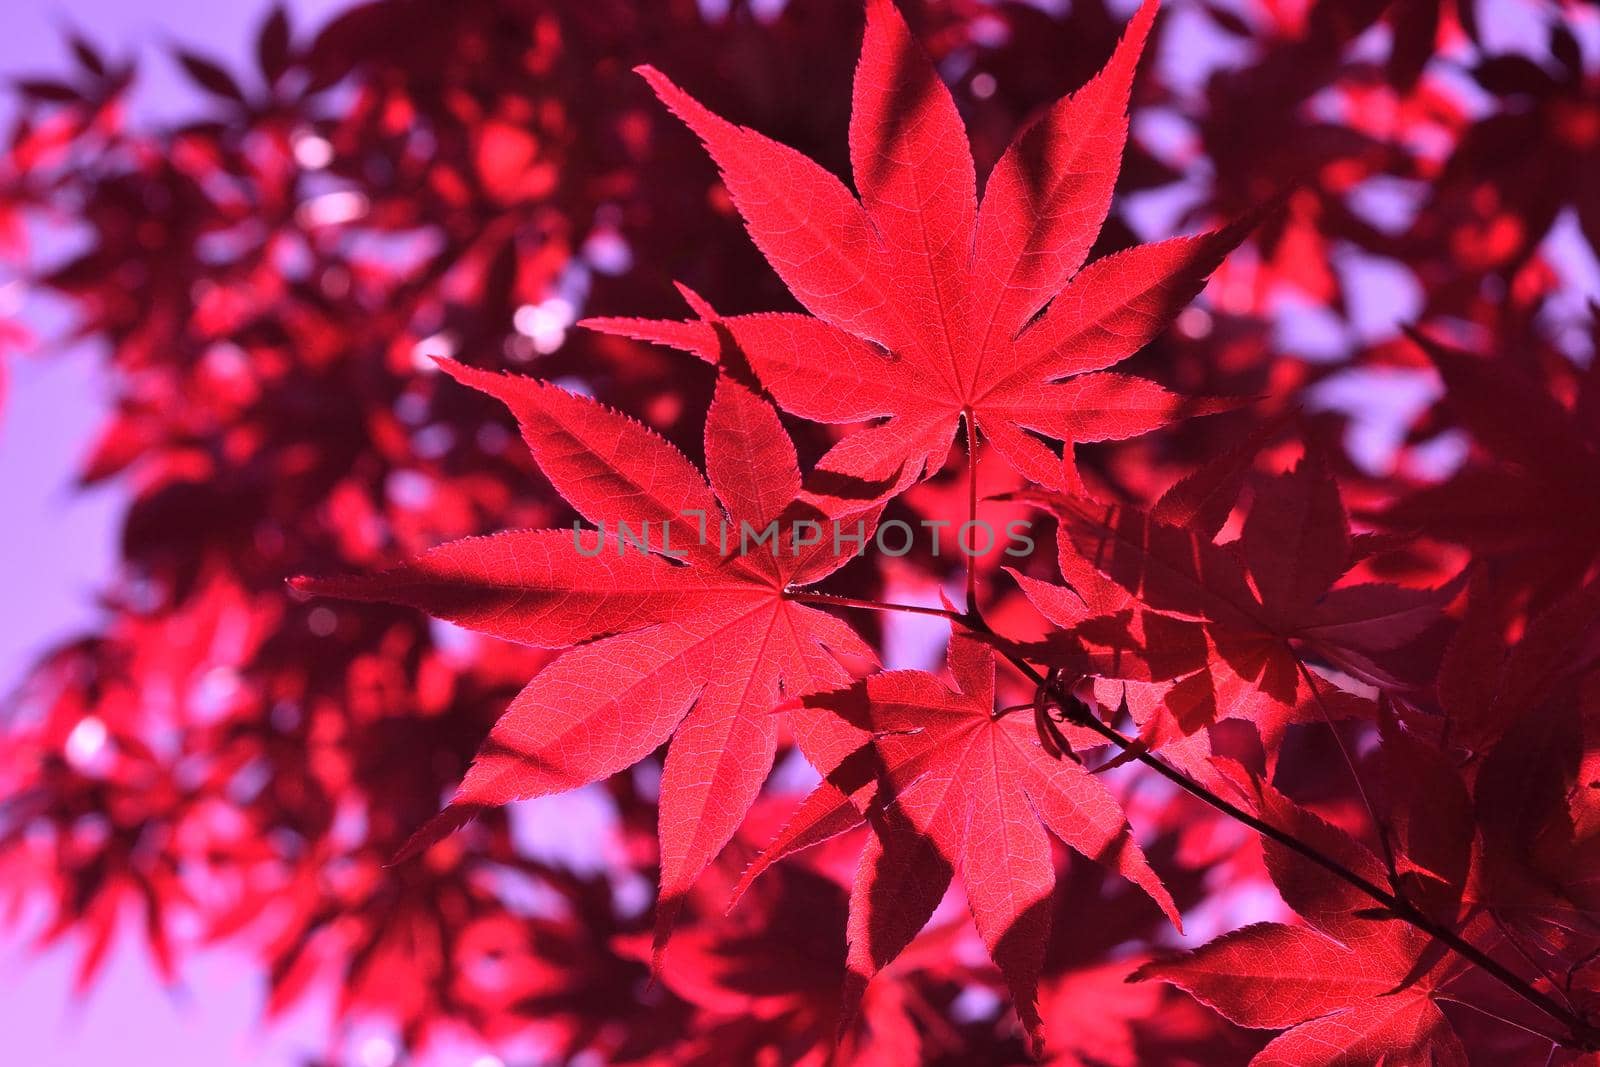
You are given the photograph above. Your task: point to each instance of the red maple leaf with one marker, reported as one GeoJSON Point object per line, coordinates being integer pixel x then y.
{"type": "Point", "coordinates": [1231, 623]}
{"type": "Point", "coordinates": [950, 785]}
{"type": "Point", "coordinates": [1533, 508]}
{"type": "Point", "coordinates": [931, 309]}
{"type": "Point", "coordinates": [699, 647]}
{"type": "Point", "coordinates": [1352, 988]}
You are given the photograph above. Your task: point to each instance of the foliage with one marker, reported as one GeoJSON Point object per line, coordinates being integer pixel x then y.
{"type": "Point", "coordinates": [1214, 615]}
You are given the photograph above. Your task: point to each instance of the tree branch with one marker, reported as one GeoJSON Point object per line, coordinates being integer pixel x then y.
{"type": "Point", "coordinates": [1581, 1034]}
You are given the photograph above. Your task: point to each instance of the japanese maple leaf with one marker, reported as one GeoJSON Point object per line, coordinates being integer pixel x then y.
{"type": "Point", "coordinates": [698, 648]}
{"type": "Point", "coordinates": [1234, 623]}
{"type": "Point", "coordinates": [1352, 988]}
{"type": "Point", "coordinates": [1534, 505]}
{"type": "Point", "coordinates": [1486, 683]}
{"type": "Point", "coordinates": [928, 308]}
{"type": "Point", "coordinates": [1535, 793]}
{"type": "Point", "coordinates": [766, 981]}
{"type": "Point", "coordinates": [1528, 159]}
{"type": "Point", "coordinates": [1164, 674]}
{"type": "Point", "coordinates": [948, 784]}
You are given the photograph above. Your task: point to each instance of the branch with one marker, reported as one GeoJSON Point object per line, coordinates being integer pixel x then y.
{"type": "Point", "coordinates": [1581, 1034]}
{"type": "Point", "coordinates": [827, 600]}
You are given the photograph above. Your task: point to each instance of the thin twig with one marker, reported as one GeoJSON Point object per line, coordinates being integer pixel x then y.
{"type": "Point", "coordinates": [1527, 957]}
{"type": "Point", "coordinates": [1378, 825]}
{"type": "Point", "coordinates": [827, 600]}
{"type": "Point", "coordinates": [1535, 1031]}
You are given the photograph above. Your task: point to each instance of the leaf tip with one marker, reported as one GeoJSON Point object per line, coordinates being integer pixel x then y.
{"type": "Point", "coordinates": [705, 123]}
{"type": "Point", "coordinates": [697, 303]}
{"type": "Point", "coordinates": [1149, 970]}
{"type": "Point", "coordinates": [667, 908]}
{"type": "Point", "coordinates": [436, 829]}
{"type": "Point", "coordinates": [515, 391]}
{"type": "Point", "coordinates": [305, 587]}
{"type": "Point", "coordinates": [662, 85]}
{"type": "Point", "coordinates": [1138, 28]}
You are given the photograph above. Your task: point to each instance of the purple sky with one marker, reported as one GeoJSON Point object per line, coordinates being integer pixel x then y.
{"type": "Point", "coordinates": [54, 547]}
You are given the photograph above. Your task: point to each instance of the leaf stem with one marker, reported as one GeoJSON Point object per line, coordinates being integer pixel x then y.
{"type": "Point", "coordinates": [972, 509]}
{"type": "Point", "coordinates": [828, 600]}
{"type": "Point", "coordinates": [1378, 826]}
{"type": "Point", "coordinates": [1527, 957]}
{"type": "Point", "coordinates": [1556, 1042]}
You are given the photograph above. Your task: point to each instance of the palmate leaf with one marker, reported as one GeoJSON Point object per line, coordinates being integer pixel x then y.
{"type": "Point", "coordinates": [1232, 625]}
{"type": "Point", "coordinates": [1532, 507]}
{"type": "Point", "coordinates": [950, 787]}
{"type": "Point", "coordinates": [700, 651]}
{"type": "Point", "coordinates": [928, 307]}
